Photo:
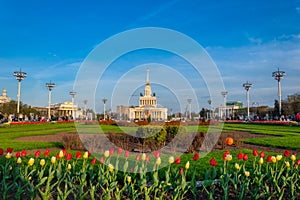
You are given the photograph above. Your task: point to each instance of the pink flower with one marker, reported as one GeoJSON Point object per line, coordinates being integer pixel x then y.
{"type": "Point", "coordinates": [126, 154]}
{"type": "Point", "coordinates": [181, 171]}
{"type": "Point", "coordinates": [245, 157]}
{"type": "Point", "coordinates": [120, 150]}
{"type": "Point", "coordinates": [101, 160]}
{"type": "Point", "coordinates": [147, 158]}
{"type": "Point", "coordinates": [111, 151]}
{"type": "Point", "coordinates": [156, 154]}
{"type": "Point", "coordinates": [262, 154]}
{"type": "Point", "coordinates": [137, 158]}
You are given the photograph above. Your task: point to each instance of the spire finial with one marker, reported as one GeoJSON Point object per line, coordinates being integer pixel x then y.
{"type": "Point", "coordinates": [148, 76]}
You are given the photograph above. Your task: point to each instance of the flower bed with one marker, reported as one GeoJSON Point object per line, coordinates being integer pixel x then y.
{"type": "Point", "coordinates": [117, 175]}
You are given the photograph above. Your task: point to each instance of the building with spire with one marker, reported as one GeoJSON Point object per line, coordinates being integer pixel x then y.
{"type": "Point", "coordinates": [147, 108]}
{"type": "Point", "coordinates": [4, 98]}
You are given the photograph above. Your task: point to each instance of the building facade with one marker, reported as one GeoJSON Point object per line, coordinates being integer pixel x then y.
{"type": "Point", "coordinates": [147, 108]}
{"type": "Point", "coordinates": [4, 98]}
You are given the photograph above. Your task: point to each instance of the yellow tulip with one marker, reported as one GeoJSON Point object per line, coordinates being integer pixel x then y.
{"type": "Point", "coordinates": [19, 160]}
{"type": "Point", "coordinates": [143, 157]}
{"type": "Point", "coordinates": [293, 157]}
{"type": "Point", "coordinates": [53, 159]}
{"type": "Point", "coordinates": [129, 179]}
{"type": "Point", "coordinates": [261, 161]}
{"type": "Point", "coordinates": [187, 165]}
{"type": "Point", "coordinates": [110, 168]}
{"type": "Point", "coordinates": [237, 166]}
{"type": "Point", "coordinates": [69, 166]}
{"type": "Point", "coordinates": [273, 158]}
{"type": "Point", "coordinates": [158, 161]}
{"type": "Point", "coordinates": [171, 159]}
{"type": "Point", "coordinates": [228, 157]}
{"type": "Point", "coordinates": [85, 155]}
{"type": "Point", "coordinates": [61, 154]}
{"type": "Point", "coordinates": [247, 173]}
{"type": "Point", "coordinates": [42, 162]}
{"type": "Point", "coordinates": [287, 164]}
{"type": "Point", "coordinates": [106, 154]}
{"type": "Point", "coordinates": [278, 157]}
{"type": "Point", "coordinates": [8, 155]}
{"type": "Point", "coordinates": [31, 162]}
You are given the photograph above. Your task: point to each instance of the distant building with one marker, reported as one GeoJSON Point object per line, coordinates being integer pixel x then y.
{"type": "Point", "coordinates": [4, 98]}
{"type": "Point", "coordinates": [123, 112]}
{"type": "Point", "coordinates": [148, 106]}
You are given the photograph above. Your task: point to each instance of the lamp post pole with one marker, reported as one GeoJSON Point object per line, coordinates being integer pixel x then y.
{"type": "Point", "coordinates": [224, 94]}
{"type": "Point", "coordinates": [73, 97]}
{"type": "Point", "coordinates": [104, 107]}
{"type": "Point", "coordinates": [247, 87]}
{"type": "Point", "coordinates": [190, 108]}
{"type": "Point", "coordinates": [85, 102]}
{"type": "Point", "coordinates": [210, 110]}
{"type": "Point", "coordinates": [50, 86]}
{"type": "Point", "coordinates": [19, 76]}
{"type": "Point", "coordinates": [278, 75]}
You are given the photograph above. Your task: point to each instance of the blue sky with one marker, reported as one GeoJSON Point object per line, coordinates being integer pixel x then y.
{"type": "Point", "coordinates": [247, 40]}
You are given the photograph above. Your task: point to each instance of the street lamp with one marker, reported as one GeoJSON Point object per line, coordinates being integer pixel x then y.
{"type": "Point", "coordinates": [210, 110]}
{"type": "Point", "coordinates": [19, 76]}
{"type": "Point", "coordinates": [73, 110]}
{"type": "Point", "coordinates": [224, 94]}
{"type": "Point", "coordinates": [104, 106]}
{"type": "Point", "coordinates": [278, 75]}
{"type": "Point", "coordinates": [247, 87]}
{"type": "Point", "coordinates": [190, 108]}
{"type": "Point", "coordinates": [50, 86]}
{"type": "Point", "coordinates": [85, 102]}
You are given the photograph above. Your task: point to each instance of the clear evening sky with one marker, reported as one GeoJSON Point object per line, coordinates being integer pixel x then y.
{"type": "Point", "coordinates": [247, 40]}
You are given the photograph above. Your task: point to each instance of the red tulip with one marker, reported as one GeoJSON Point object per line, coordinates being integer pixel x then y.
{"type": "Point", "coordinates": [9, 150]}
{"type": "Point", "coordinates": [57, 156]}
{"type": "Point", "coordinates": [18, 154]}
{"type": "Point", "coordinates": [213, 162]}
{"type": "Point", "coordinates": [78, 155]}
{"type": "Point", "coordinates": [181, 171]}
{"type": "Point", "coordinates": [287, 153]}
{"type": "Point", "coordinates": [245, 158]}
{"type": "Point", "coordinates": [269, 159]}
{"type": "Point", "coordinates": [255, 153]}
{"type": "Point", "coordinates": [89, 153]}
{"type": "Point", "coordinates": [126, 154]}
{"type": "Point", "coordinates": [240, 156]}
{"type": "Point", "coordinates": [156, 154]}
{"type": "Point", "coordinates": [101, 160]}
{"type": "Point", "coordinates": [37, 153]}
{"type": "Point", "coordinates": [111, 151]}
{"type": "Point", "coordinates": [262, 154]}
{"type": "Point", "coordinates": [196, 156]}
{"type": "Point", "coordinates": [177, 160]}
{"type": "Point", "coordinates": [120, 150]}
{"type": "Point", "coordinates": [69, 156]}
{"type": "Point", "coordinates": [147, 158]}
{"type": "Point", "coordinates": [64, 151]}
{"type": "Point", "coordinates": [1, 151]}
{"type": "Point", "coordinates": [23, 153]}
{"type": "Point", "coordinates": [47, 152]}
{"type": "Point", "coordinates": [225, 154]}
{"type": "Point", "coordinates": [94, 161]}
{"type": "Point", "coordinates": [137, 158]}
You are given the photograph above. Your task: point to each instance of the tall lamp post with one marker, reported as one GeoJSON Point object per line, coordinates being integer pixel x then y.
{"type": "Point", "coordinates": [85, 102]}
{"type": "Point", "coordinates": [224, 94]}
{"type": "Point", "coordinates": [190, 108]}
{"type": "Point", "coordinates": [210, 109]}
{"type": "Point", "coordinates": [19, 76]}
{"type": "Point", "coordinates": [50, 86]}
{"type": "Point", "coordinates": [278, 75]}
{"type": "Point", "coordinates": [104, 106]}
{"type": "Point", "coordinates": [73, 110]}
{"type": "Point", "coordinates": [247, 87]}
